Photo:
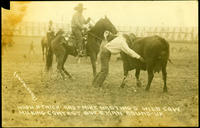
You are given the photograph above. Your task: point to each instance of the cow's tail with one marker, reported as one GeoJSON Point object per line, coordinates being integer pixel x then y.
{"type": "Point", "coordinates": [49, 58]}
{"type": "Point", "coordinates": [170, 61]}
{"type": "Point", "coordinates": [167, 51]}
{"type": "Point", "coordinates": [163, 57]}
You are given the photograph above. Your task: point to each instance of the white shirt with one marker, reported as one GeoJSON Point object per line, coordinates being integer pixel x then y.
{"type": "Point", "coordinates": [119, 44]}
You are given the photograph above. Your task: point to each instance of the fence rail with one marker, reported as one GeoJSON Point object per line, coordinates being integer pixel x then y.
{"type": "Point", "coordinates": [169, 33]}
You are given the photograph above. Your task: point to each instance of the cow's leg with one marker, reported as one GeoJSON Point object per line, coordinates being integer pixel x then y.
{"type": "Point", "coordinates": [125, 74]}
{"type": "Point", "coordinates": [164, 75]}
{"type": "Point", "coordinates": [137, 75]}
{"type": "Point", "coordinates": [150, 78]}
{"type": "Point", "coordinates": [124, 79]}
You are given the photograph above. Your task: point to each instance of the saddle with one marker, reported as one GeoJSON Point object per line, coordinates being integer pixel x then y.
{"type": "Point", "coordinates": [72, 39]}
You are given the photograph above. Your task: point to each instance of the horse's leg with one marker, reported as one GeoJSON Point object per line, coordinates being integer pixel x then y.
{"type": "Point", "coordinates": [5, 47]}
{"type": "Point", "coordinates": [137, 75]}
{"type": "Point", "coordinates": [60, 64]}
{"type": "Point", "coordinates": [164, 75]}
{"type": "Point", "coordinates": [63, 67]}
{"type": "Point", "coordinates": [93, 61]}
{"type": "Point", "coordinates": [47, 49]}
{"type": "Point", "coordinates": [150, 77]}
{"type": "Point", "coordinates": [43, 52]}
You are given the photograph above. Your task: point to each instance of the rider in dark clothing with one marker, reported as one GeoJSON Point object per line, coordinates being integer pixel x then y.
{"type": "Point", "coordinates": [50, 32]}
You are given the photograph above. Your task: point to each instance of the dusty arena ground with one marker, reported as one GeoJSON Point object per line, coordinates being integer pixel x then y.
{"type": "Point", "coordinates": [178, 107]}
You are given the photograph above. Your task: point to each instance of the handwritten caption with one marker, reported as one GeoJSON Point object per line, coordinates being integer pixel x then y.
{"type": "Point", "coordinates": [91, 110]}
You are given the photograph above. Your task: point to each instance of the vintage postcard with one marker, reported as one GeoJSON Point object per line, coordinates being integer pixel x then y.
{"type": "Point", "coordinates": [100, 63]}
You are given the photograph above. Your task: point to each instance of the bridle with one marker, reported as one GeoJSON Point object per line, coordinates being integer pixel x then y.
{"type": "Point", "coordinates": [99, 38]}
{"type": "Point", "coordinates": [95, 36]}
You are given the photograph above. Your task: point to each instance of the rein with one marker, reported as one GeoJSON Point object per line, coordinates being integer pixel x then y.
{"type": "Point", "coordinates": [92, 33]}
{"type": "Point", "coordinates": [95, 36]}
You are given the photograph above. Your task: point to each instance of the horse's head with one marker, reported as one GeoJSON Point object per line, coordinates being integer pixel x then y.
{"type": "Point", "coordinates": [50, 35]}
{"type": "Point", "coordinates": [60, 33]}
{"type": "Point", "coordinates": [108, 26]}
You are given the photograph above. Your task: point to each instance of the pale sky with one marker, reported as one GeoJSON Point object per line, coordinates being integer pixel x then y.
{"type": "Point", "coordinates": [125, 13]}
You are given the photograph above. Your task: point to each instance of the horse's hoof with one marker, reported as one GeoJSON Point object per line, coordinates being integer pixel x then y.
{"type": "Point", "coordinates": [147, 89]}
{"type": "Point", "coordinates": [139, 84]}
{"type": "Point", "coordinates": [63, 78]}
{"type": "Point", "coordinates": [122, 85]}
{"type": "Point", "coordinates": [95, 86]}
{"type": "Point", "coordinates": [72, 78]}
{"type": "Point", "coordinates": [100, 85]}
{"type": "Point", "coordinates": [94, 75]}
{"type": "Point", "coordinates": [165, 90]}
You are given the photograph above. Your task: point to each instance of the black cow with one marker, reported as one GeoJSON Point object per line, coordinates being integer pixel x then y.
{"type": "Point", "coordinates": [154, 50]}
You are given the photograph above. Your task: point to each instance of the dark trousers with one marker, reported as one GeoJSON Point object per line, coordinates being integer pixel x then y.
{"type": "Point", "coordinates": [101, 76]}
{"type": "Point", "coordinates": [79, 38]}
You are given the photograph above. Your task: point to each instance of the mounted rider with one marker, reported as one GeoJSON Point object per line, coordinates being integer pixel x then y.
{"type": "Point", "coordinates": [77, 24]}
{"type": "Point", "coordinates": [50, 31]}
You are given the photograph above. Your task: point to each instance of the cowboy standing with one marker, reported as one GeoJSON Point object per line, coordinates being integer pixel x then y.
{"type": "Point", "coordinates": [115, 46]}
{"type": "Point", "coordinates": [77, 24]}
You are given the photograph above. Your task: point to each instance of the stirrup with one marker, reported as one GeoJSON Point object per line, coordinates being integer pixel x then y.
{"type": "Point", "coordinates": [80, 54]}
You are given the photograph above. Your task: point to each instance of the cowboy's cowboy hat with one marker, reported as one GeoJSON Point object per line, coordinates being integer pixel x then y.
{"type": "Point", "coordinates": [79, 7]}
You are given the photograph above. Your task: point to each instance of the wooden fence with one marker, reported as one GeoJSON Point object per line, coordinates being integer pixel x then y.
{"type": "Point", "coordinates": [169, 33]}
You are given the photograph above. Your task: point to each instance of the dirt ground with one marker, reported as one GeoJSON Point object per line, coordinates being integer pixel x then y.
{"type": "Point", "coordinates": [178, 107]}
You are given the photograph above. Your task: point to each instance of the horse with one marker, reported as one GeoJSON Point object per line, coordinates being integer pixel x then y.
{"type": "Point", "coordinates": [61, 48]}
{"type": "Point", "coordinates": [95, 37]}
{"type": "Point", "coordinates": [50, 37]}
{"type": "Point", "coordinates": [155, 51]}
{"type": "Point", "coordinates": [45, 43]}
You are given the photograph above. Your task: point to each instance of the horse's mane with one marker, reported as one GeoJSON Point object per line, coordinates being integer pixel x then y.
{"type": "Point", "coordinates": [97, 25]}
{"type": "Point", "coordinates": [60, 32]}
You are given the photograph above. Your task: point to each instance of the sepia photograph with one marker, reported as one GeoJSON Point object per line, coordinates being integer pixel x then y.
{"type": "Point", "coordinates": [100, 64]}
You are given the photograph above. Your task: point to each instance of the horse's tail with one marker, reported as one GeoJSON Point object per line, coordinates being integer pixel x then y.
{"type": "Point", "coordinates": [42, 42]}
{"type": "Point", "coordinates": [49, 58]}
{"type": "Point", "coordinates": [170, 61]}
